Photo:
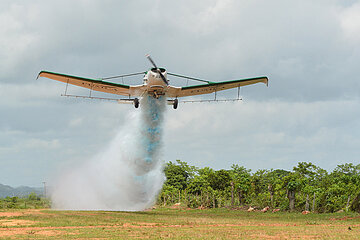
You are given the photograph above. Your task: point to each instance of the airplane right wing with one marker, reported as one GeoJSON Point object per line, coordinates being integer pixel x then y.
{"type": "Point", "coordinates": [211, 87]}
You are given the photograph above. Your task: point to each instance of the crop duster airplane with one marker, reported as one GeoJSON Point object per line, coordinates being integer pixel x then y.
{"type": "Point", "coordinates": [155, 84]}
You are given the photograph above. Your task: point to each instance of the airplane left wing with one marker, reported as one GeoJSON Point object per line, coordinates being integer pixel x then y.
{"type": "Point", "coordinates": [95, 84]}
{"type": "Point", "coordinates": [213, 87]}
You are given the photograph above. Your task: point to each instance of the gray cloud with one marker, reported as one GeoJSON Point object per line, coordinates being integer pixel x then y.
{"type": "Point", "coordinates": [309, 50]}
{"type": "Point", "coordinates": [273, 134]}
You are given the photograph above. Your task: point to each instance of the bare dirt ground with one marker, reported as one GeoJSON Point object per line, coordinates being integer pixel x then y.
{"type": "Point", "coordinates": [16, 213]}
{"type": "Point", "coordinates": [44, 224]}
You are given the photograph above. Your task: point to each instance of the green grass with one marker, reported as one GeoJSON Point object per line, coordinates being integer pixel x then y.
{"type": "Point", "coordinates": [169, 223]}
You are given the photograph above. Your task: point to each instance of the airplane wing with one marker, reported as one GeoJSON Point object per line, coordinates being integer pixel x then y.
{"type": "Point", "coordinates": [211, 87]}
{"type": "Point", "coordinates": [95, 84]}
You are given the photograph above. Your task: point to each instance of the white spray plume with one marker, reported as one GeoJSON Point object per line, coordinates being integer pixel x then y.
{"type": "Point", "coordinates": [125, 177]}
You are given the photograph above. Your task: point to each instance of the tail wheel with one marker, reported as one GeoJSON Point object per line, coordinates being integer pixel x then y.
{"type": "Point", "coordinates": [176, 103]}
{"type": "Point", "coordinates": [136, 102]}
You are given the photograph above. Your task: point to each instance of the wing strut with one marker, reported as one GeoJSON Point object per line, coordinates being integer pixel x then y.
{"type": "Point", "coordinates": [188, 78]}
{"type": "Point", "coordinates": [122, 76]}
{"type": "Point", "coordinates": [67, 84]}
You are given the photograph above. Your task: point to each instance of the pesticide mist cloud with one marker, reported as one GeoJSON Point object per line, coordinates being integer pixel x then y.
{"type": "Point", "coordinates": [127, 175]}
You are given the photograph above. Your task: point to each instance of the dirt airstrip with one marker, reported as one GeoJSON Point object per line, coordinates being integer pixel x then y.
{"type": "Point", "coordinates": [36, 224]}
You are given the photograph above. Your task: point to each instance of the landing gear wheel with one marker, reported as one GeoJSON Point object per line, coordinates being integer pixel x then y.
{"type": "Point", "coordinates": [136, 102]}
{"type": "Point", "coordinates": [176, 103]}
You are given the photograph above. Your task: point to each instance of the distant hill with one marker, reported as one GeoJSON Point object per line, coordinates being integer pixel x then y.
{"type": "Point", "coordinates": [7, 191]}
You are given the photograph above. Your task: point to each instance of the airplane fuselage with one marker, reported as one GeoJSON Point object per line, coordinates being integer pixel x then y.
{"type": "Point", "coordinates": [155, 85]}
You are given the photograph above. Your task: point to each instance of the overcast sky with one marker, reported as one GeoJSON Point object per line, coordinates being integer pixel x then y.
{"type": "Point", "coordinates": [309, 50]}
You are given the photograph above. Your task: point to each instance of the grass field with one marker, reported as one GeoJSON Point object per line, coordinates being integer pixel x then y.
{"type": "Point", "coordinates": [174, 223]}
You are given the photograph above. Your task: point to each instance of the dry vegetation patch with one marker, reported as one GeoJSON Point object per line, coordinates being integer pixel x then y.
{"type": "Point", "coordinates": [22, 213]}
{"type": "Point", "coordinates": [22, 231]}
{"type": "Point", "coordinates": [16, 222]}
{"type": "Point", "coordinates": [11, 214]}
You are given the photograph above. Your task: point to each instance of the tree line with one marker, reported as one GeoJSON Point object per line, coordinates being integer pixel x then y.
{"type": "Point", "coordinates": [33, 201]}
{"type": "Point", "coordinates": [306, 188]}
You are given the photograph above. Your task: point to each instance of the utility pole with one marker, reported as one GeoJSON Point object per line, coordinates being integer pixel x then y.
{"type": "Point", "coordinates": [44, 189]}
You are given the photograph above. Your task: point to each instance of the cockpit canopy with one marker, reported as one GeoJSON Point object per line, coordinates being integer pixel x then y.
{"type": "Point", "coordinates": [156, 71]}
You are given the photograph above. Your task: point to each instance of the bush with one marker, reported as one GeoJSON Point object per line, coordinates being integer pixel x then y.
{"type": "Point", "coordinates": [355, 205]}
{"type": "Point", "coordinates": [31, 201]}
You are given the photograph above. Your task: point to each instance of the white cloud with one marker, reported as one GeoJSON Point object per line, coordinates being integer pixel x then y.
{"type": "Point", "coordinates": [350, 22]}
{"type": "Point", "coordinates": [16, 39]}
{"type": "Point", "coordinates": [28, 94]}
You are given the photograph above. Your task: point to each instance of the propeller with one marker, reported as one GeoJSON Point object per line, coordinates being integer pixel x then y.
{"type": "Point", "coordinates": [157, 69]}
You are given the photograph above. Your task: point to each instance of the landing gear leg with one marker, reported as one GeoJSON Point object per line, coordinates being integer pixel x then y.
{"type": "Point", "coordinates": [176, 103]}
{"type": "Point", "coordinates": [136, 102]}
{"type": "Point", "coordinates": [156, 95]}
